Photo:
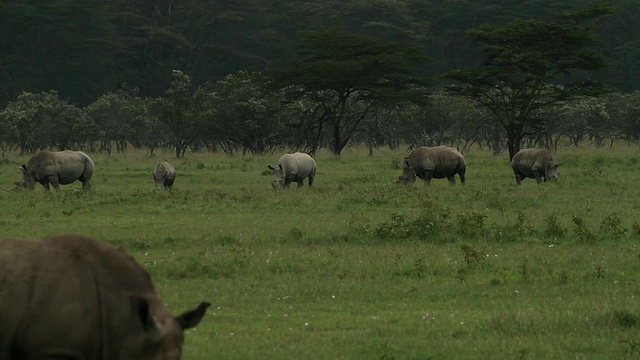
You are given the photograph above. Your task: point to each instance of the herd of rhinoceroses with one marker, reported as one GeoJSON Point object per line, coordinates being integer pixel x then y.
{"type": "Point", "coordinates": [444, 162]}
{"type": "Point", "coordinates": [71, 297]}
{"type": "Point", "coordinates": [439, 162]}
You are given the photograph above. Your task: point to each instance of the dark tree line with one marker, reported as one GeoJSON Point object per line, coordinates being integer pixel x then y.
{"type": "Point", "coordinates": [118, 120]}
{"type": "Point", "coordinates": [247, 77]}
{"type": "Point", "coordinates": [84, 51]}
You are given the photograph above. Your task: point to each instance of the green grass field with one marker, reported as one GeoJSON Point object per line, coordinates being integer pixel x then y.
{"type": "Point", "coordinates": [358, 267]}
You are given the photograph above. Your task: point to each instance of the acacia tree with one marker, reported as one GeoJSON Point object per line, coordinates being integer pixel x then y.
{"type": "Point", "coordinates": [532, 64]}
{"type": "Point", "coordinates": [344, 77]}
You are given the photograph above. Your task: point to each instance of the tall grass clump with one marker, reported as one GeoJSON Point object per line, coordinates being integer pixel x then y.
{"type": "Point", "coordinates": [401, 227]}
{"type": "Point", "coordinates": [429, 224]}
{"type": "Point", "coordinates": [554, 228]}
{"type": "Point", "coordinates": [611, 225]}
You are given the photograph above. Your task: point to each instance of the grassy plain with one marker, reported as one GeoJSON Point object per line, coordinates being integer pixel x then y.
{"type": "Point", "coordinates": [358, 267]}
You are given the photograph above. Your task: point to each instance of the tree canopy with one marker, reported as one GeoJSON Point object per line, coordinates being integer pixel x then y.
{"type": "Point", "coordinates": [198, 73]}
{"type": "Point", "coordinates": [531, 64]}
{"type": "Point", "coordinates": [345, 76]}
{"type": "Point", "coordinates": [84, 52]}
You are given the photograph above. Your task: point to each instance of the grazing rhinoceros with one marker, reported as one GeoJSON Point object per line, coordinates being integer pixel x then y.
{"type": "Point", "coordinates": [57, 168]}
{"type": "Point", "coordinates": [433, 163]}
{"type": "Point", "coordinates": [164, 175]}
{"type": "Point", "coordinates": [71, 297]}
{"type": "Point", "coordinates": [293, 167]}
{"type": "Point", "coordinates": [534, 163]}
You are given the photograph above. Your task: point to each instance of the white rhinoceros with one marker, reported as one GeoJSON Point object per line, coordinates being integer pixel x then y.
{"type": "Point", "coordinates": [57, 168]}
{"type": "Point", "coordinates": [293, 168]}
{"type": "Point", "coordinates": [534, 163]}
{"type": "Point", "coordinates": [437, 162]}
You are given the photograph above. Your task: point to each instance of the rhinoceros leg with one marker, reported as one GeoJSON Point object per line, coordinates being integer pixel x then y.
{"type": "Point", "coordinates": [536, 174]}
{"type": "Point", "coordinates": [50, 180]}
{"type": "Point", "coordinates": [289, 179]}
{"type": "Point", "coordinates": [462, 175]}
{"type": "Point", "coordinates": [518, 179]}
{"type": "Point", "coordinates": [53, 180]}
{"type": "Point", "coordinates": [426, 175]}
{"type": "Point", "coordinates": [168, 182]}
{"type": "Point", "coordinates": [452, 180]}
{"type": "Point", "coordinates": [310, 180]}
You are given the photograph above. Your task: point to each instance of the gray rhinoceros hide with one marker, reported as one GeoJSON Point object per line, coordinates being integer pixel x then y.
{"type": "Point", "coordinates": [534, 163]}
{"type": "Point", "coordinates": [164, 175]}
{"type": "Point", "coordinates": [293, 168]}
{"type": "Point", "coordinates": [437, 162]}
{"type": "Point", "coordinates": [57, 168]}
{"type": "Point", "coordinates": [71, 297]}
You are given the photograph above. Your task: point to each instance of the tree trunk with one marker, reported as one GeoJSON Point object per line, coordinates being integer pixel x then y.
{"type": "Point", "coordinates": [514, 139]}
{"type": "Point", "coordinates": [337, 140]}
{"type": "Point", "coordinates": [555, 143]}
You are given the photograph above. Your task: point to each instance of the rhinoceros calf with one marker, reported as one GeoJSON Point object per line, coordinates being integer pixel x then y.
{"type": "Point", "coordinates": [293, 168]}
{"type": "Point", "coordinates": [57, 168]}
{"type": "Point", "coordinates": [534, 163]}
{"type": "Point", "coordinates": [71, 297]}
{"type": "Point", "coordinates": [164, 175]}
{"type": "Point", "coordinates": [437, 162]}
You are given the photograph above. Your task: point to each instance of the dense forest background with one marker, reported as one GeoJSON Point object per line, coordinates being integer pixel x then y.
{"type": "Point", "coordinates": [112, 62]}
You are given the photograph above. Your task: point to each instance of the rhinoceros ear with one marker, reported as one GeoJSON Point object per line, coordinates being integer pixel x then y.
{"type": "Point", "coordinates": [142, 311]}
{"type": "Point", "coordinates": [191, 318]}
{"type": "Point", "coordinates": [271, 167]}
{"type": "Point", "coordinates": [23, 167]}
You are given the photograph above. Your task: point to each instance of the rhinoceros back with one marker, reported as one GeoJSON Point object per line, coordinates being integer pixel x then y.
{"type": "Point", "coordinates": [534, 163]}
{"type": "Point", "coordinates": [441, 160]}
{"type": "Point", "coordinates": [526, 161]}
{"type": "Point", "coordinates": [300, 164]}
{"type": "Point", "coordinates": [70, 297]}
{"type": "Point", "coordinates": [68, 166]}
{"type": "Point", "coordinates": [164, 175]}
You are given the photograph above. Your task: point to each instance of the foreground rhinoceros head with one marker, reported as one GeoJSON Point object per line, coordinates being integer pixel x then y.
{"type": "Point", "coordinates": [408, 174]}
{"type": "Point", "coordinates": [72, 297]}
{"type": "Point", "coordinates": [278, 176]}
{"type": "Point", "coordinates": [403, 180]}
{"type": "Point", "coordinates": [164, 175]}
{"type": "Point", "coordinates": [551, 171]}
{"type": "Point", "coordinates": [163, 335]}
{"type": "Point", "coordinates": [28, 180]}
